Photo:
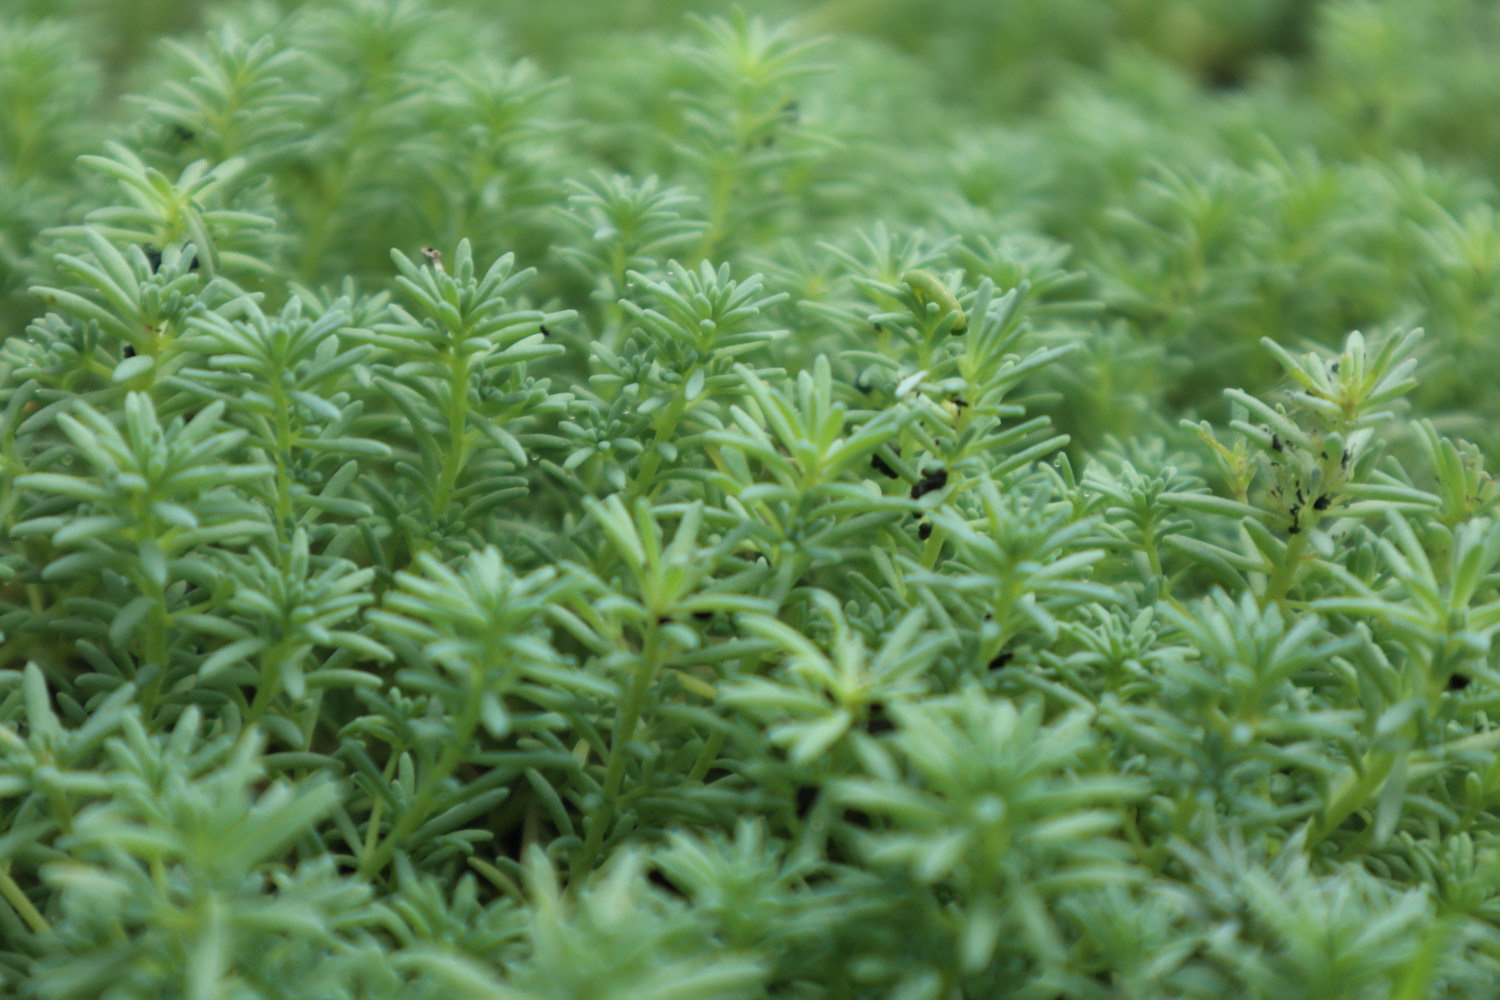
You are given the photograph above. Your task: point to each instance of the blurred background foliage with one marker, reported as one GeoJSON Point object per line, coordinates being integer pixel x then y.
{"type": "Point", "coordinates": [1211, 172]}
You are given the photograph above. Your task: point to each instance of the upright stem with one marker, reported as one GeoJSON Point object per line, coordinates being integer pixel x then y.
{"type": "Point", "coordinates": [155, 651]}
{"type": "Point", "coordinates": [625, 726]}
{"type": "Point", "coordinates": [664, 428]}
{"type": "Point", "coordinates": [1286, 574]}
{"type": "Point", "coordinates": [721, 187]}
{"type": "Point", "coordinates": [1353, 793]}
{"type": "Point", "coordinates": [268, 689]}
{"type": "Point", "coordinates": [1148, 540]}
{"type": "Point", "coordinates": [283, 457]}
{"type": "Point", "coordinates": [446, 764]}
{"type": "Point", "coordinates": [317, 231]}
{"type": "Point", "coordinates": [458, 416]}
{"type": "Point", "coordinates": [372, 832]}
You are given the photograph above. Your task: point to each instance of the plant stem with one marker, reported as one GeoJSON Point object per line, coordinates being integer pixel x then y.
{"type": "Point", "coordinates": [283, 456]}
{"type": "Point", "coordinates": [269, 688]}
{"type": "Point", "coordinates": [1286, 574]}
{"type": "Point", "coordinates": [1353, 793]}
{"type": "Point", "coordinates": [372, 832]}
{"type": "Point", "coordinates": [417, 810]}
{"type": "Point", "coordinates": [458, 415]}
{"type": "Point", "coordinates": [1148, 542]}
{"type": "Point", "coordinates": [17, 899]}
{"type": "Point", "coordinates": [155, 652]}
{"type": "Point", "coordinates": [706, 758]}
{"type": "Point", "coordinates": [664, 429]}
{"type": "Point", "coordinates": [625, 726]}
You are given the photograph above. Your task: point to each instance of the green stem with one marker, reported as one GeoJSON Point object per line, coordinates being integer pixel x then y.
{"type": "Point", "coordinates": [62, 809]}
{"type": "Point", "coordinates": [1286, 574]}
{"type": "Point", "coordinates": [720, 188]}
{"type": "Point", "coordinates": [17, 899]}
{"type": "Point", "coordinates": [270, 687]}
{"type": "Point", "coordinates": [458, 416]}
{"type": "Point", "coordinates": [711, 747]}
{"type": "Point", "coordinates": [318, 229]}
{"type": "Point", "coordinates": [1423, 968]}
{"type": "Point", "coordinates": [664, 429]}
{"type": "Point", "coordinates": [283, 456]}
{"type": "Point", "coordinates": [625, 726]}
{"type": "Point", "coordinates": [1353, 793]}
{"type": "Point", "coordinates": [1148, 542]}
{"type": "Point", "coordinates": [417, 810]}
{"type": "Point", "coordinates": [372, 832]}
{"type": "Point", "coordinates": [614, 313]}
{"type": "Point", "coordinates": [155, 652]}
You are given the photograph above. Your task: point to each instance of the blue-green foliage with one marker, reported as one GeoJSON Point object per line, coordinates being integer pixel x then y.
{"type": "Point", "coordinates": [642, 501]}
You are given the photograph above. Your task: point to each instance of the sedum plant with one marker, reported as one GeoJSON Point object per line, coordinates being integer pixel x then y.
{"type": "Point", "coordinates": [664, 502]}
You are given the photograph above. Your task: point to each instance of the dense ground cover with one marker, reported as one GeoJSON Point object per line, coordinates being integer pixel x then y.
{"type": "Point", "coordinates": [641, 500]}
